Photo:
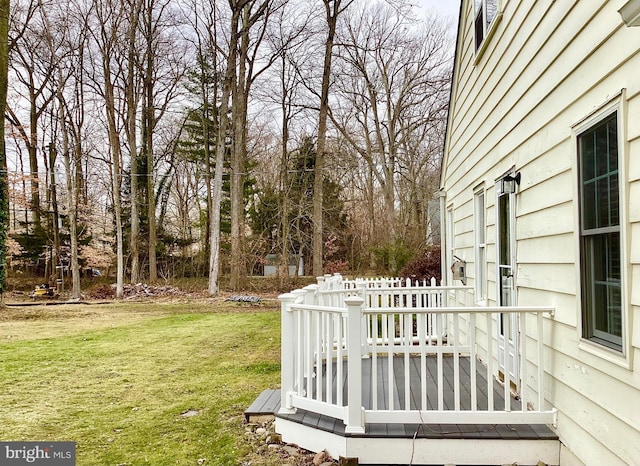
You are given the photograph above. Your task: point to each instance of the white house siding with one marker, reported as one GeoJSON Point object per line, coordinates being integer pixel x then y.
{"type": "Point", "coordinates": [548, 66]}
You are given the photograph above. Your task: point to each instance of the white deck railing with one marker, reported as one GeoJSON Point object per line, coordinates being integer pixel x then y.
{"type": "Point", "coordinates": [327, 330]}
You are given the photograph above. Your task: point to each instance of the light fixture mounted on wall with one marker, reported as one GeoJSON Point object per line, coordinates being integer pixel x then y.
{"type": "Point", "coordinates": [509, 182]}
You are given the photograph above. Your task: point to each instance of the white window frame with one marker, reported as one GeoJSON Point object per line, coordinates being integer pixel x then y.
{"type": "Point", "coordinates": [480, 227]}
{"type": "Point", "coordinates": [618, 356]}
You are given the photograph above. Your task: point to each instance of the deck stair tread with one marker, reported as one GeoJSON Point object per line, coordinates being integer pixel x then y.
{"type": "Point", "coordinates": [267, 403]}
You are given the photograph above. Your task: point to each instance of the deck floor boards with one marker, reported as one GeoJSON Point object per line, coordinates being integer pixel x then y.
{"type": "Point", "coordinates": [269, 401]}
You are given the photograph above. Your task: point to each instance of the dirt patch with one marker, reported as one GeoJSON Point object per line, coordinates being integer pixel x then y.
{"type": "Point", "coordinates": [268, 449]}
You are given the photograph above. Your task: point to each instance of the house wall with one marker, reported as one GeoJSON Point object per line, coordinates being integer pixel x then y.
{"type": "Point", "coordinates": [547, 67]}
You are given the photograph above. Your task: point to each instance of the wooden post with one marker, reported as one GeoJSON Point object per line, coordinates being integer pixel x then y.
{"type": "Point", "coordinates": [355, 418]}
{"type": "Point", "coordinates": [287, 354]}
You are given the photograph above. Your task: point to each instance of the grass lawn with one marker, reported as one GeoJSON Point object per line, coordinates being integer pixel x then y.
{"type": "Point", "coordinates": [134, 383]}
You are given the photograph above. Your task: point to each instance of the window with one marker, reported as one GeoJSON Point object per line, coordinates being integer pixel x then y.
{"type": "Point", "coordinates": [481, 253]}
{"type": "Point", "coordinates": [600, 241]}
{"type": "Point", "coordinates": [485, 13]}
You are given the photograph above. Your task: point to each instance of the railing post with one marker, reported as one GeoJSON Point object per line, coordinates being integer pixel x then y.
{"type": "Point", "coordinates": [322, 284]}
{"type": "Point", "coordinates": [355, 417]}
{"type": "Point", "coordinates": [287, 355]}
{"type": "Point", "coordinates": [311, 294]}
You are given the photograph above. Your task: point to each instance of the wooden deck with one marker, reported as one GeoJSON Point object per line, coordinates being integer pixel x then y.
{"type": "Point", "coordinates": [268, 403]}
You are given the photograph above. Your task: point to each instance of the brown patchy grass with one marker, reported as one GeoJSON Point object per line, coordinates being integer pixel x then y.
{"type": "Point", "coordinates": [49, 320]}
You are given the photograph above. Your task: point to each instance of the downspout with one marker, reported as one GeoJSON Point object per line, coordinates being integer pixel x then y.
{"type": "Point", "coordinates": [443, 237]}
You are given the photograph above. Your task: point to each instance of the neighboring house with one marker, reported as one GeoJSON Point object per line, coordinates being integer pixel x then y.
{"type": "Point", "coordinates": [540, 197]}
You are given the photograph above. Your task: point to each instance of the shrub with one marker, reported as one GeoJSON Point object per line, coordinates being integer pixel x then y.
{"type": "Point", "coordinates": [391, 258]}
{"type": "Point", "coordinates": [424, 266]}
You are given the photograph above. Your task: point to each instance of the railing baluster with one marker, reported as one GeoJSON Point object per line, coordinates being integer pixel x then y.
{"type": "Point", "coordinates": [524, 396]}
{"type": "Point", "coordinates": [318, 355]}
{"type": "Point", "coordinates": [422, 339]}
{"type": "Point", "coordinates": [329, 358]}
{"type": "Point", "coordinates": [374, 362]}
{"type": "Point", "coordinates": [506, 327]}
{"type": "Point", "coordinates": [456, 361]}
{"type": "Point", "coordinates": [473, 357]}
{"type": "Point", "coordinates": [490, 337]}
{"type": "Point", "coordinates": [390, 346]}
{"type": "Point", "coordinates": [540, 362]}
{"type": "Point", "coordinates": [440, 362]}
{"type": "Point", "coordinates": [408, 341]}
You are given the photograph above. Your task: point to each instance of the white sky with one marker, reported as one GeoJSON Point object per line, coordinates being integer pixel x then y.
{"type": "Point", "coordinates": [448, 7]}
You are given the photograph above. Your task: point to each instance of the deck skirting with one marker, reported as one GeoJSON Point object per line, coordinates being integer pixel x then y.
{"type": "Point", "coordinates": [444, 447]}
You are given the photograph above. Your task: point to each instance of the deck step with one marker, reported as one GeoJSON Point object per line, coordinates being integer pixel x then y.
{"type": "Point", "coordinates": [264, 407]}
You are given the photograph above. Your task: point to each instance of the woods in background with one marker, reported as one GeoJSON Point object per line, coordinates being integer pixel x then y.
{"type": "Point", "coordinates": [158, 138]}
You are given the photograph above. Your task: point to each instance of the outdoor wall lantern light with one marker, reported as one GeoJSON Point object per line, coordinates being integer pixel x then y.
{"type": "Point", "coordinates": [508, 183]}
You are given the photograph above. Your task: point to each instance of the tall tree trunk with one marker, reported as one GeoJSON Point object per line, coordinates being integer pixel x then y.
{"type": "Point", "coordinates": [72, 201]}
{"type": "Point", "coordinates": [54, 202]}
{"type": "Point", "coordinates": [239, 113]}
{"type": "Point", "coordinates": [116, 173]}
{"type": "Point", "coordinates": [4, 185]}
{"type": "Point", "coordinates": [132, 104]}
{"type": "Point", "coordinates": [318, 183]}
{"type": "Point", "coordinates": [221, 148]}
{"type": "Point", "coordinates": [33, 162]}
{"type": "Point", "coordinates": [149, 118]}
{"type": "Point", "coordinates": [285, 227]}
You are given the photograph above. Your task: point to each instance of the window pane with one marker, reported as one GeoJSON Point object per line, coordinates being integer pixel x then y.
{"type": "Point", "coordinates": [588, 159]}
{"type": "Point", "coordinates": [613, 145]}
{"type": "Point", "coordinates": [479, 28]}
{"type": "Point", "coordinates": [613, 257]}
{"type": "Point", "coordinates": [505, 235]}
{"type": "Point", "coordinates": [614, 201]}
{"type": "Point", "coordinates": [481, 222]}
{"type": "Point", "coordinates": [589, 206]}
{"type": "Point", "coordinates": [601, 254]}
{"type": "Point", "coordinates": [601, 142]}
{"type": "Point", "coordinates": [602, 199]}
{"type": "Point", "coordinates": [492, 9]}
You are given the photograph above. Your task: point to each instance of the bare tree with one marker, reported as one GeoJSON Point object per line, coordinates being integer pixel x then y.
{"type": "Point", "coordinates": [33, 69]}
{"type": "Point", "coordinates": [392, 95]}
{"type": "Point", "coordinates": [108, 74]}
{"type": "Point", "coordinates": [333, 10]}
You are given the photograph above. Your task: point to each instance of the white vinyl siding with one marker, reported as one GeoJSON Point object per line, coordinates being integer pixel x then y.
{"type": "Point", "coordinates": [550, 66]}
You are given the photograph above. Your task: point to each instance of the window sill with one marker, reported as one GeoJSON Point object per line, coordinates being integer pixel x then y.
{"type": "Point", "coordinates": [490, 33]}
{"type": "Point", "coordinates": [610, 355]}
